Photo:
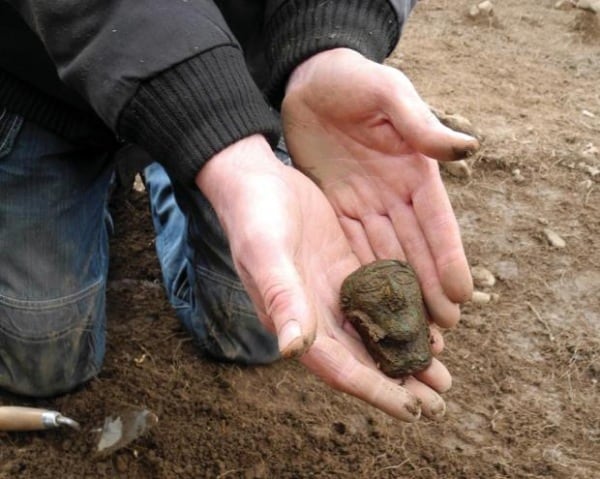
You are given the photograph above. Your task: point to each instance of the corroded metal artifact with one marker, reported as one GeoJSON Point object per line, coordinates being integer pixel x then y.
{"type": "Point", "coordinates": [383, 302]}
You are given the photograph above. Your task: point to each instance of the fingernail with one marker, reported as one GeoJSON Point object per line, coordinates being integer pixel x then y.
{"type": "Point", "coordinates": [466, 152]}
{"type": "Point", "coordinates": [414, 409]}
{"type": "Point", "coordinates": [437, 411]}
{"type": "Point", "coordinates": [446, 387]}
{"type": "Point", "coordinates": [291, 343]}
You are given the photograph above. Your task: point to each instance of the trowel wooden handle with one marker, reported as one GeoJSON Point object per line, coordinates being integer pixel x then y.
{"type": "Point", "coordinates": [18, 418]}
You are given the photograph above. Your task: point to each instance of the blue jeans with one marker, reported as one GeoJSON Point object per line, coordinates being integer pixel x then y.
{"type": "Point", "coordinates": [54, 229]}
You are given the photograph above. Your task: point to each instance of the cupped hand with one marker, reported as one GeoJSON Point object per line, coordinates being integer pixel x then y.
{"type": "Point", "coordinates": [292, 256]}
{"type": "Point", "coordinates": [362, 133]}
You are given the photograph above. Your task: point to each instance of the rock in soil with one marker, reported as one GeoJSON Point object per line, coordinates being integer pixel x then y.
{"type": "Point", "coordinates": [482, 277]}
{"type": "Point", "coordinates": [459, 169]}
{"type": "Point", "coordinates": [554, 239]}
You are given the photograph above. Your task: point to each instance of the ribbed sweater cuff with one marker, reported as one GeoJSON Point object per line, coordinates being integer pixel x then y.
{"type": "Point", "coordinates": [302, 28]}
{"type": "Point", "coordinates": [189, 113]}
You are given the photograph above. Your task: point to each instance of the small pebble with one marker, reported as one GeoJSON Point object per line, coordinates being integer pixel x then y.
{"type": "Point", "coordinates": [506, 270]}
{"type": "Point", "coordinates": [591, 170]}
{"type": "Point", "coordinates": [479, 297]}
{"type": "Point", "coordinates": [554, 239]}
{"type": "Point", "coordinates": [459, 169]}
{"type": "Point", "coordinates": [138, 184]}
{"type": "Point", "coordinates": [455, 121]}
{"type": "Point", "coordinates": [518, 177]}
{"type": "Point", "coordinates": [591, 5]}
{"type": "Point", "coordinates": [564, 4]}
{"type": "Point", "coordinates": [482, 277]}
{"type": "Point", "coordinates": [590, 150]}
{"type": "Point", "coordinates": [486, 7]}
{"type": "Point", "coordinates": [473, 11]}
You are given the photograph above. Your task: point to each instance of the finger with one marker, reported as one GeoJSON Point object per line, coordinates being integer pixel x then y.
{"type": "Point", "coordinates": [443, 311]}
{"type": "Point", "coordinates": [278, 290]}
{"type": "Point", "coordinates": [414, 120]}
{"type": "Point", "coordinates": [436, 376]}
{"type": "Point", "coordinates": [436, 340]}
{"type": "Point", "coordinates": [436, 218]}
{"type": "Point", "coordinates": [432, 405]}
{"type": "Point", "coordinates": [437, 221]}
{"type": "Point", "coordinates": [351, 331]}
{"type": "Point", "coordinates": [357, 237]}
{"type": "Point", "coordinates": [382, 237]}
{"type": "Point", "coordinates": [333, 363]}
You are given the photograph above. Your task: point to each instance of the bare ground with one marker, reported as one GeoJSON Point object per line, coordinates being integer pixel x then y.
{"type": "Point", "coordinates": [526, 366]}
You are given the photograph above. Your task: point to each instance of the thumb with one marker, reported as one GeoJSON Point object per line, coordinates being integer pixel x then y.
{"type": "Point", "coordinates": [280, 293]}
{"type": "Point", "coordinates": [421, 129]}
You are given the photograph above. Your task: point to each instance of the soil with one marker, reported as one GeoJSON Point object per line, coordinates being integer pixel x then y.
{"type": "Point", "coordinates": [526, 366]}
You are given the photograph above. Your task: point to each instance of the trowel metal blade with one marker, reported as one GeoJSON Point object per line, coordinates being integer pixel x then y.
{"type": "Point", "coordinates": [120, 430]}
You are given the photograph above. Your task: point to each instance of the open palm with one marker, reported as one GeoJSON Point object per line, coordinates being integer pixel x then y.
{"type": "Point", "coordinates": [363, 134]}
{"type": "Point", "coordinates": [292, 257]}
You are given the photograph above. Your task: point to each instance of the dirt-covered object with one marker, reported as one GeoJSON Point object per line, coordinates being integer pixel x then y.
{"type": "Point", "coordinates": [383, 302]}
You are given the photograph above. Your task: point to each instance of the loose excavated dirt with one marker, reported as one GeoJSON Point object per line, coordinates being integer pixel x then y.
{"type": "Point", "coordinates": [526, 366]}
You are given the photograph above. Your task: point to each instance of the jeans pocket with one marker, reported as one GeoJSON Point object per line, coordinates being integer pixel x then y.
{"type": "Point", "coordinates": [10, 126]}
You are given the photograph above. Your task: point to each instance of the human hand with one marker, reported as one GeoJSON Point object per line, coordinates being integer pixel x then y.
{"type": "Point", "coordinates": [362, 133]}
{"type": "Point", "coordinates": [292, 257]}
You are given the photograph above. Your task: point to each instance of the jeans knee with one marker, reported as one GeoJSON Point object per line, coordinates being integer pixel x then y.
{"type": "Point", "coordinates": [51, 347]}
{"type": "Point", "coordinates": [47, 371]}
{"type": "Point", "coordinates": [224, 323]}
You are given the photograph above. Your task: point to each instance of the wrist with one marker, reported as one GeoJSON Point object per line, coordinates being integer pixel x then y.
{"type": "Point", "coordinates": [221, 178]}
{"type": "Point", "coordinates": [297, 30]}
{"type": "Point", "coordinates": [304, 71]}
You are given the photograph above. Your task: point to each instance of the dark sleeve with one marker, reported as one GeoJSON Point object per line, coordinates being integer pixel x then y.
{"type": "Point", "coordinates": [297, 29]}
{"type": "Point", "coordinates": [167, 75]}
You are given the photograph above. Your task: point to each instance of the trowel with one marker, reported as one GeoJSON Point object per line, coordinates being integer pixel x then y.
{"type": "Point", "coordinates": [120, 430]}
{"type": "Point", "coordinates": [19, 418]}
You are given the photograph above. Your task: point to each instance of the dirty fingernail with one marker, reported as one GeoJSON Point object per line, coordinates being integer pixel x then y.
{"type": "Point", "coordinates": [414, 410]}
{"type": "Point", "coordinates": [438, 410]}
{"type": "Point", "coordinates": [291, 342]}
{"type": "Point", "coordinates": [466, 152]}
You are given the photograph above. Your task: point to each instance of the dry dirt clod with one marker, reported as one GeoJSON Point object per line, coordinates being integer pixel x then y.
{"type": "Point", "coordinates": [383, 301]}
{"type": "Point", "coordinates": [486, 7]}
{"type": "Point", "coordinates": [554, 239]}
{"type": "Point", "coordinates": [564, 4]}
{"type": "Point", "coordinates": [482, 277]}
{"type": "Point", "coordinates": [586, 184]}
{"type": "Point", "coordinates": [517, 176]}
{"type": "Point", "coordinates": [474, 11]}
{"type": "Point", "coordinates": [459, 169]}
{"type": "Point", "coordinates": [456, 122]}
{"type": "Point", "coordinates": [590, 150]}
{"type": "Point", "coordinates": [591, 5]}
{"type": "Point", "coordinates": [590, 170]}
